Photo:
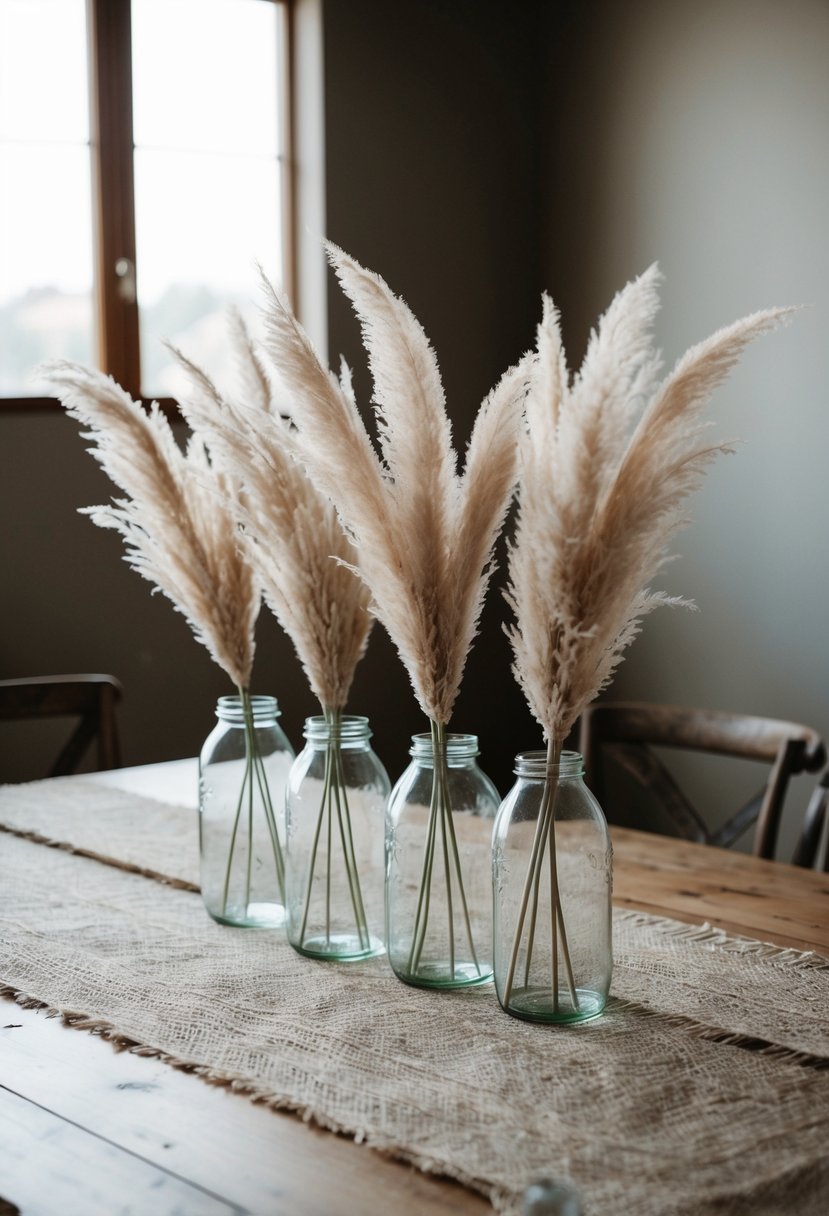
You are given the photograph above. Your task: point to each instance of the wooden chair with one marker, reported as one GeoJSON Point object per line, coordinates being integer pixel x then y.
{"type": "Point", "coordinates": [628, 731]}
{"type": "Point", "coordinates": [91, 698]}
{"type": "Point", "coordinates": [807, 852]}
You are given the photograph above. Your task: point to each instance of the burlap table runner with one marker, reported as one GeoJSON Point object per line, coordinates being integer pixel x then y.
{"type": "Point", "coordinates": [703, 1089]}
{"type": "Point", "coordinates": [154, 838]}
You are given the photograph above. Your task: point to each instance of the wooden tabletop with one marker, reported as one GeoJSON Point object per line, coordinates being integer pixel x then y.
{"type": "Point", "coordinates": [87, 1129]}
{"type": "Point", "coordinates": [747, 895]}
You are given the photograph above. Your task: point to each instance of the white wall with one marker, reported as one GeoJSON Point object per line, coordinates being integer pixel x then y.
{"type": "Point", "coordinates": [697, 136]}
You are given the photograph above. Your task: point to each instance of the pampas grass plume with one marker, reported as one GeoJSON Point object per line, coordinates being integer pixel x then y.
{"type": "Point", "coordinates": [176, 535]}
{"type": "Point", "coordinates": [290, 530]}
{"type": "Point", "coordinates": [423, 532]}
{"type": "Point", "coordinates": [608, 460]}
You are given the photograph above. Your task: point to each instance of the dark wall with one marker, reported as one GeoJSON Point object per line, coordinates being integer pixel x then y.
{"type": "Point", "coordinates": [434, 134]}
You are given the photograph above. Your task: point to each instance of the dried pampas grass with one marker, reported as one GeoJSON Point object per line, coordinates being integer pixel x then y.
{"type": "Point", "coordinates": [176, 535]}
{"type": "Point", "coordinates": [608, 462]}
{"type": "Point", "coordinates": [290, 531]}
{"type": "Point", "coordinates": [424, 533]}
{"type": "Point", "coordinates": [304, 562]}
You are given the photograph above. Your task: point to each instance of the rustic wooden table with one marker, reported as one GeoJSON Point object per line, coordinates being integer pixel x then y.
{"type": "Point", "coordinates": [87, 1129]}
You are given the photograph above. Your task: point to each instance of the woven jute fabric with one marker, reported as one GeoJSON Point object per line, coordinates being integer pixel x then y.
{"type": "Point", "coordinates": [154, 838]}
{"type": "Point", "coordinates": [703, 1089]}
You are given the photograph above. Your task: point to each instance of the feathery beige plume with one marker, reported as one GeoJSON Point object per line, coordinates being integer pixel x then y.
{"type": "Point", "coordinates": [608, 462]}
{"type": "Point", "coordinates": [176, 535]}
{"type": "Point", "coordinates": [424, 534]}
{"type": "Point", "coordinates": [292, 536]}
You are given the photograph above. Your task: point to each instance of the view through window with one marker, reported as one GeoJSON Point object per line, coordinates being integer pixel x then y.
{"type": "Point", "coordinates": [206, 156]}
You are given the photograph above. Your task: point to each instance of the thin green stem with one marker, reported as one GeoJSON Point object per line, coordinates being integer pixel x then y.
{"type": "Point", "coordinates": [243, 694]}
{"type": "Point", "coordinates": [233, 834]}
{"type": "Point", "coordinates": [568, 966]}
{"type": "Point", "coordinates": [440, 815]}
{"type": "Point", "coordinates": [544, 840]}
{"type": "Point", "coordinates": [249, 867]}
{"type": "Point", "coordinates": [255, 769]}
{"type": "Point", "coordinates": [528, 958]}
{"type": "Point", "coordinates": [334, 803]}
{"type": "Point", "coordinates": [270, 819]}
{"type": "Point", "coordinates": [531, 881]}
{"type": "Point", "coordinates": [424, 894]}
{"type": "Point", "coordinates": [315, 846]}
{"type": "Point", "coordinates": [329, 763]}
{"type": "Point", "coordinates": [349, 854]}
{"type": "Point", "coordinates": [450, 819]}
{"type": "Point", "coordinates": [439, 755]}
{"type": "Point", "coordinates": [557, 914]}
{"type": "Point", "coordinates": [555, 909]}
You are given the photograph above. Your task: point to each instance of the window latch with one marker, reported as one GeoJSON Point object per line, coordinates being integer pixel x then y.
{"type": "Point", "coordinates": [125, 274]}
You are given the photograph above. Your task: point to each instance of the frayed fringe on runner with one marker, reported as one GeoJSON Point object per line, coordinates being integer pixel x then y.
{"type": "Point", "coordinates": [729, 1038]}
{"type": "Point", "coordinates": [180, 884]}
{"type": "Point", "coordinates": [730, 942]}
{"type": "Point", "coordinates": [502, 1199]}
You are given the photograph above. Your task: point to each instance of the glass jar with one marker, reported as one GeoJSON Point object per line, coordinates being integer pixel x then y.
{"type": "Point", "coordinates": [243, 770]}
{"type": "Point", "coordinates": [552, 879]}
{"type": "Point", "coordinates": [337, 792]}
{"type": "Point", "coordinates": [438, 844]}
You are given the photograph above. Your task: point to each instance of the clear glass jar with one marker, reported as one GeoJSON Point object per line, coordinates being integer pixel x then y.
{"type": "Point", "coordinates": [552, 880]}
{"type": "Point", "coordinates": [438, 846]}
{"type": "Point", "coordinates": [243, 770]}
{"type": "Point", "coordinates": [337, 793]}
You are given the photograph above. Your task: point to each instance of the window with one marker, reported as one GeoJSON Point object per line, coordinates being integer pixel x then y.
{"type": "Point", "coordinates": [143, 174]}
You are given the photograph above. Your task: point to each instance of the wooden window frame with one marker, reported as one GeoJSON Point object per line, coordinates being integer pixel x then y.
{"type": "Point", "coordinates": [113, 196]}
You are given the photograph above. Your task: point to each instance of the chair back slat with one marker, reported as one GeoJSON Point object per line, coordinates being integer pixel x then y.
{"type": "Point", "coordinates": [90, 697]}
{"type": "Point", "coordinates": [630, 729]}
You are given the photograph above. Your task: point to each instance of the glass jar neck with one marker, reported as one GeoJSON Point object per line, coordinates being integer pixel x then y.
{"type": "Point", "coordinates": [460, 749]}
{"type": "Point", "coordinates": [533, 766]}
{"type": "Point", "coordinates": [348, 729]}
{"type": "Point", "coordinates": [263, 710]}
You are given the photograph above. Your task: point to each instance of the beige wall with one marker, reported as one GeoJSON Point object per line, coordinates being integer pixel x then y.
{"type": "Point", "coordinates": [476, 153]}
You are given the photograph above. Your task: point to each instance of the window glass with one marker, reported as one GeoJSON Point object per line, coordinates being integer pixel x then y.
{"type": "Point", "coordinates": [46, 276]}
{"type": "Point", "coordinates": [207, 173]}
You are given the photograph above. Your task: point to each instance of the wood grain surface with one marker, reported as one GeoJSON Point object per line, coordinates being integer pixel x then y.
{"type": "Point", "coordinates": [747, 895]}
{"type": "Point", "coordinates": [87, 1129]}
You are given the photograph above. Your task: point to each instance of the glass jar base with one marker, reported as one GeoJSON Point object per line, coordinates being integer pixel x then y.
{"type": "Point", "coordinates": [439, 975]}
{"type": "Point", "coordinates": [340, 947]}
{"type": "Point", "coordinates": [252, 916]}
{"type": "Point", "coordinates": [536, 1005]}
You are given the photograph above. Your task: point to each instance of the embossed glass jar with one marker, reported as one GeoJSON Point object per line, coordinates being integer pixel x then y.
{"type": "Point", "coordinates": [334, 878]}
{"type": "Point", "coordinates": [438, 848]}
{"type": "Point", "coordinates": [243, 769]}
{"type": "Point", "coordinates": [552, 883]}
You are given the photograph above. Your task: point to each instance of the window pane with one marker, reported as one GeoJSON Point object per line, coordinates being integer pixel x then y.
{"type": "Point", "coordinates": [46, 302]}
{"type": "Point", "coordinates": [207, 172]}
{"type": "Point", "coordinates": [43, 74]}
{"type": "Point", "coordinates": [201, 224]}
{"type": "Point", "coordinates": [205, 74]}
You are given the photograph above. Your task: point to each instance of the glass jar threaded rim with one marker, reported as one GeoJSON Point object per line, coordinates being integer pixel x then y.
{"type": "Point", "coordinates": [347, 728]}
{"type": "Point", "coordinates": [458, 747]}
{"type": "Point", "coordinates": [232, 709]}
{"type": "Point", "coordinates": [533, 766]}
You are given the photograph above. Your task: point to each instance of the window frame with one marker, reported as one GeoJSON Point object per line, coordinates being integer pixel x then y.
{"type": "Point", "coordinates": [112, 148]}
